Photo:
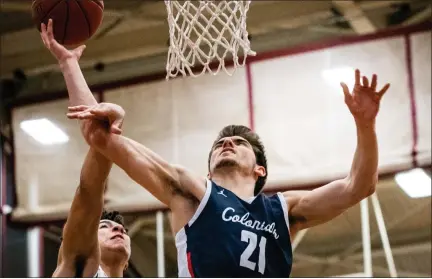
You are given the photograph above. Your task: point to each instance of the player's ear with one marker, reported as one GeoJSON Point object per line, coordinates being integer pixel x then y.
{"type": "Point", "coordinates": [259, 171]}
{"type": "Point", "coordinates": [208, 176]}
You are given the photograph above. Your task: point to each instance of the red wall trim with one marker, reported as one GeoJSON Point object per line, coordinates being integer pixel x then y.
{"type": "Point", "coordinates": [413, 106]}
{"type": "Point", "coordinates": [290, 51]}
{"type": "Point", "coordinates": [2, 203]}
{"type": "Point", "coordinates": [345, 40]}
{"type": "Point", "coordinates": [341, 41]}
{"type": "Point", "coordinates": [41, 253]}
{"type": "Point", "coordinates": [250, 96]}
{"type": "Point", "coordinates": [100, 96]}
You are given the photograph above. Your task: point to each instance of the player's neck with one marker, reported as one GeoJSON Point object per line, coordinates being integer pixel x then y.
{"type": "Point", "coordinates": [242, 186]}
{"type": "Point", "coordinates": [113, 269]}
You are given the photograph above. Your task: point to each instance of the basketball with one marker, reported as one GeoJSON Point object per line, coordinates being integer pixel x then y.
{"type": "Point", "coordinates": [74, 21]}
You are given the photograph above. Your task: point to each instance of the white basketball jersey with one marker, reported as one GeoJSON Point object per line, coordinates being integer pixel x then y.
{"type": "Point", "coordinates": [100, 273]}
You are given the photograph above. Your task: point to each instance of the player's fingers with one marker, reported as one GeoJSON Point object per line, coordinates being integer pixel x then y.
{"type": "Point", "coordinates": [374, 82]}
{"type": "Point", "coordinates": [50, 33]}
{"type": "Point", "coordinates": [365, 82]}
{"type": "Point", "coordinates": [357, 77]}
{"type": "Point", "coordinates": [79, 50]}
{"type": "Point", "coordinates": [50, 25]}
{"type": "Point", "coordinates": [99, 111]}
{"type": "Point", "coordinates": [117, 124]}
{"type": "Point", "coordinates": [43, 29]}
{"type": "Point", "coordinates": [43, 33]}
{"type": "Point", "coordinates": [86, 115]}
{"type": "Point", "coordinates": [73, 115]}
{"type": "Point", "coordinates": [383, 90]}
{"type": "Point", "coordinates": [116, 130]}
{"type": "Point", "coordinates": [78, 108]}
{"type": "Point", "coordinates": [44, 41]}
{"type": "Point", "coordinates": [346, 91]}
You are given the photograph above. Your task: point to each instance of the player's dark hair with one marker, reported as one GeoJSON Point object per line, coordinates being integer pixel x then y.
{"type": "Point", "coordinates": [81, 261]}
{"type": "Point", "coordinates": [255, 142]}
{"type": "Point", "coordinates": [113, 216]}
{"type": "Point", "coordinates": [116, 217]}
{"type": "Point", "coordinates": [110, 215]}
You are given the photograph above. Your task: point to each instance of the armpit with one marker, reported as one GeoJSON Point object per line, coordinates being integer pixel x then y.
{"type": "Point", "coordinates": [293, 220]}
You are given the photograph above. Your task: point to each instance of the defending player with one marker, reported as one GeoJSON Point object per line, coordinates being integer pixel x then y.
{"type": "Point", "coordinates": [95, 243]}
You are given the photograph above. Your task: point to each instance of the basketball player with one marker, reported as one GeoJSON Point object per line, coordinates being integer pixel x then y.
{"type": "Point", "coordinates": [224, 227]}
{"type": "Point", "coordinates": [95, 243]}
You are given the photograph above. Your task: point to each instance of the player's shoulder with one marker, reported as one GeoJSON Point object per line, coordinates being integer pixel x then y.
{"type": "Point", "coordinates": [271, 196]}
{"type": "Point", "coordinates": [190, 183]}
{"type": "Point", "coordinates": [274, 200]}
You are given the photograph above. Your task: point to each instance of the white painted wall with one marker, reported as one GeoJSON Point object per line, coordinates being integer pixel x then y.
{"type": "Point", "coordinates": [300, 115]}
{"type": "Point", "coordinates": [421, 58]}
{"type": "Point", "coordinates": [304, 122]}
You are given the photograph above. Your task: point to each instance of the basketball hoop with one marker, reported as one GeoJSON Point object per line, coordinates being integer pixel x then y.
{"type": "Point", "coordinates": [202, 32]}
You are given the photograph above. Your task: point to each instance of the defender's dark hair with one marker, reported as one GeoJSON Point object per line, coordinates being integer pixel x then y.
{"type": "Point", "coordinates": [116, 217]}
{"type": "Point", "coordinates": [80, 260]}
{"type": "Point", "coordinates": [113, 216]}
{"type": "Point", "coordinates": [255, 142]}
{"type": "Point", "coordinates": [110, 215]}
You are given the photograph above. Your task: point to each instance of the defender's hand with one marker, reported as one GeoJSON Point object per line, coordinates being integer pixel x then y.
{"type": "Point", "coordinates": [57, 50]}
{"type": "Point", "coordinates": [105, 112]}
{"type": "Point", "coordinates": [364, 100]}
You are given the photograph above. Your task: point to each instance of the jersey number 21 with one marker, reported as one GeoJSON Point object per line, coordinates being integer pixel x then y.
{"type": "Point", "coordinates": [251, 239]}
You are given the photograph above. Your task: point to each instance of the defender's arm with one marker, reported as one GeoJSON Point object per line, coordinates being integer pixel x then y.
{"type": "Point", "coordinates": [80, 233]}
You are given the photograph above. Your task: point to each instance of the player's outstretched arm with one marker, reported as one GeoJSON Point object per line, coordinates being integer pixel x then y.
{"type": "Point", "coordinates": [80, 234]}
{"type": "Point", "coordinates": [79, 92]}
{"type": "Point", "coordinates": [159, 178]}
{"type": "Point", "coordinates": [148, 169]}
{"type": "Point", "coordinates": [80, 244]}
{"type": "Point", "coordinates": [310, 208]}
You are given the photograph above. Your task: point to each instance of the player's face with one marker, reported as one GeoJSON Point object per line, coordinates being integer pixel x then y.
{"type": "Point", "coordinates": [113, 238]}
{"type": "Point", "coordinates": [233, 152]}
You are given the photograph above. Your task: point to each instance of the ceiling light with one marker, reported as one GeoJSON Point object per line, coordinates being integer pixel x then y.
{"type": "Point", "coordinates": [415, 183]}
{"type": "Point", "coordinates": [44, 131]}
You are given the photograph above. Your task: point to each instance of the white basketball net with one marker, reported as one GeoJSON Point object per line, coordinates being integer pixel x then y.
{"type": "Point", "coordinates": [202, 32]}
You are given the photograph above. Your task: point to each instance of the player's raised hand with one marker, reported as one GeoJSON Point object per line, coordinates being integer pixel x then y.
{"type": "Point", "coordinates": [364, 101]}
{"type": "Point", "coordinates": [60, 52]}
{"type": "Point", "coordinates": [106, 112]}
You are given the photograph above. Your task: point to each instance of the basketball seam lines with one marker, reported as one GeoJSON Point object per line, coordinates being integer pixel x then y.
{"type": "Point", "coordinates": [85, 16]}
{"type": "Point", "coordinates": [50, 10]}
{"type": "Point", "coordinates": [98, 3]}
{"type": "Point", "coordinates": [66, 23]}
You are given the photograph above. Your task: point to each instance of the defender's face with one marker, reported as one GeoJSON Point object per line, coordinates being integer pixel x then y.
{"type": "Point", "coordinates": [113, 237]}
{"type": "Point", "coordinates": [232, 151]}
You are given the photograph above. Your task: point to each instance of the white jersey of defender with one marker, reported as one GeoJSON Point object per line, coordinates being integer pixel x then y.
{"type": "Point", "coordinates": [100, 273]}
